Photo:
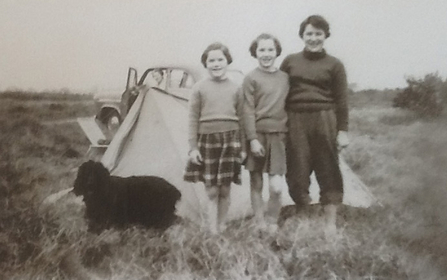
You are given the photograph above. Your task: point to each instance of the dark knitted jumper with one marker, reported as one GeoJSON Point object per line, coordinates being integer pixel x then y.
{"type": "Point", "coordinates": [317, 82]}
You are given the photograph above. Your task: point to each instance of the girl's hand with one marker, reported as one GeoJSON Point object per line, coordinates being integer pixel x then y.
{"type": "Point", "coordinates": [195, 157]}
{"type": "Point", "coordinates": [256, 148]}
{"type": "Point", "coordinates": [342, 140]}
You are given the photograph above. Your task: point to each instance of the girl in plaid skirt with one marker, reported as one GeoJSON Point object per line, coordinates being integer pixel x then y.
{"type": "Point", "coordinates": [215, 107]}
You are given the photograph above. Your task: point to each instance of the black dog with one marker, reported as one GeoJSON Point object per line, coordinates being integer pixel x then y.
{"type": "Point", "coordinates": [116, 201]}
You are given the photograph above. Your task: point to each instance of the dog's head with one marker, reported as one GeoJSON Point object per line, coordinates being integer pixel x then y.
{"type": "Point", "coordinates": [91, 176]}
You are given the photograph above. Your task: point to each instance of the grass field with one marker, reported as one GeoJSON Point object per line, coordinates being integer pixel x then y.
{"type": "Point", "coordinates": [400, 156]}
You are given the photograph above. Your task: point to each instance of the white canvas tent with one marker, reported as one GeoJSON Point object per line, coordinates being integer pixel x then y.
{"type": "Point", "coordinates": [153, 141]}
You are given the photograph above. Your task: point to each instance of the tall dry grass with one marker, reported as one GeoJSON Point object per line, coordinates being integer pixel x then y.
{"type": "Point", "coordinates": [399, 156]}
{"type": "Point", "coordinates": [403, 158]}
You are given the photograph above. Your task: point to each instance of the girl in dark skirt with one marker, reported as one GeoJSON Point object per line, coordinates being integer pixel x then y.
{"type": "Point", "coordinates": [265, 89]}
{"type": "Point", "coordinates": [215, 107]}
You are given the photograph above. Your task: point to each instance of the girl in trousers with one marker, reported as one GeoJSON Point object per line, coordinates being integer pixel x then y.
{"type": "Point", "coordinates": [215, 107]}
{"type": "Point", "coordinates": [317, 119]}
{"type": "Point", "coordinates": [265, 89]}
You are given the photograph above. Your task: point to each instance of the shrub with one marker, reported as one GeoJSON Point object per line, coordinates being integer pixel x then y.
{"type": "Point", "coordinates": [422, 95]}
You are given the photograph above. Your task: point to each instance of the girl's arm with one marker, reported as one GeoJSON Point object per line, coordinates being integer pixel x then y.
{"type": "Point", "coordinates": [249, 117]}
{"type": "Point", "coordinates": [340, 90]}
{"type": "Point", "coordinates": [240, 115]}
{"type": "Point", "coordinates": [248, 114]}
{"type": "Point", "coordinates": [195, 108]}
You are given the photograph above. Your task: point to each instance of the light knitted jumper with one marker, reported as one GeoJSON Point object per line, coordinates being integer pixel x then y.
{"type": "Point", "coordinates": [214, 106]}
{"type": "Point", "coordinates": [264, 105]}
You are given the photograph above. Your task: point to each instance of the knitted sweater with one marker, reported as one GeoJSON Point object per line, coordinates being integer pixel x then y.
{"type": "Point", "coordinates": [214, 106]}
{"type": "Point", "coordinates": [264, 105]}
{"type": "Point", "coordinates": [317, 82]}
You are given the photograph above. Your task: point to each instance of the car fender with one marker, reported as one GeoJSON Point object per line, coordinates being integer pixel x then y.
{"type": "Point", "coordinates": [115, 107]}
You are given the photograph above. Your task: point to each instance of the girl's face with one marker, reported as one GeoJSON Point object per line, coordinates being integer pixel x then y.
{"type": "Point", "coordinates": [266, 54]}
{"type": "Point", "coordinates": [314, 38]}
{"type": "Point", "coordinates": [216, 64]}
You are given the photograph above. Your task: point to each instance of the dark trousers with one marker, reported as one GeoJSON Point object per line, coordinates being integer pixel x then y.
{"type": "Point", "coordinates": [312, 146]}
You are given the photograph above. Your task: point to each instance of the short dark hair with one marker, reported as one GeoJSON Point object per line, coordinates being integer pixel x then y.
{"type": "Point", "coordinates": [316, 21]}
{"type": "Point", "coordinates": [214, 47]}
{"type": "Point", "coordinates": [265, 36]}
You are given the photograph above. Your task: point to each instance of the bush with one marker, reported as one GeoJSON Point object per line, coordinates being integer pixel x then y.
{"type": "Point", "coordinates": [423, 95]}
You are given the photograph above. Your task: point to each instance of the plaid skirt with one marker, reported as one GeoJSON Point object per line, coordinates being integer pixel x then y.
{"type": "Point", "coordinates": [221, 160]}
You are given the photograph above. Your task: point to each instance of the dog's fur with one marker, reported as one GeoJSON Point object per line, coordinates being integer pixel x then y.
{"type": "Point", "coordinates": [117, 202]}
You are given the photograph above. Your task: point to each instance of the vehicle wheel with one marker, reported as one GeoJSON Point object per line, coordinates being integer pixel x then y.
{"type": "Point", "coordinates": [113, 121]}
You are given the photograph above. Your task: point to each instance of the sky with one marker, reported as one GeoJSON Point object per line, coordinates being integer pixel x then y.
{"type": "Point", "coordinates": [88, 45]}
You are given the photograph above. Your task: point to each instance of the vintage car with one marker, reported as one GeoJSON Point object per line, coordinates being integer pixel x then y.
{"type": "Point", "coordinates": [174, 80]}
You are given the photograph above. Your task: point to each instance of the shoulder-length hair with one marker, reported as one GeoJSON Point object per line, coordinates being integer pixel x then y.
{"type": "Point", "coordinates": [213, 47]}
{"type": "Point", "coordinates": [265, 36]}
